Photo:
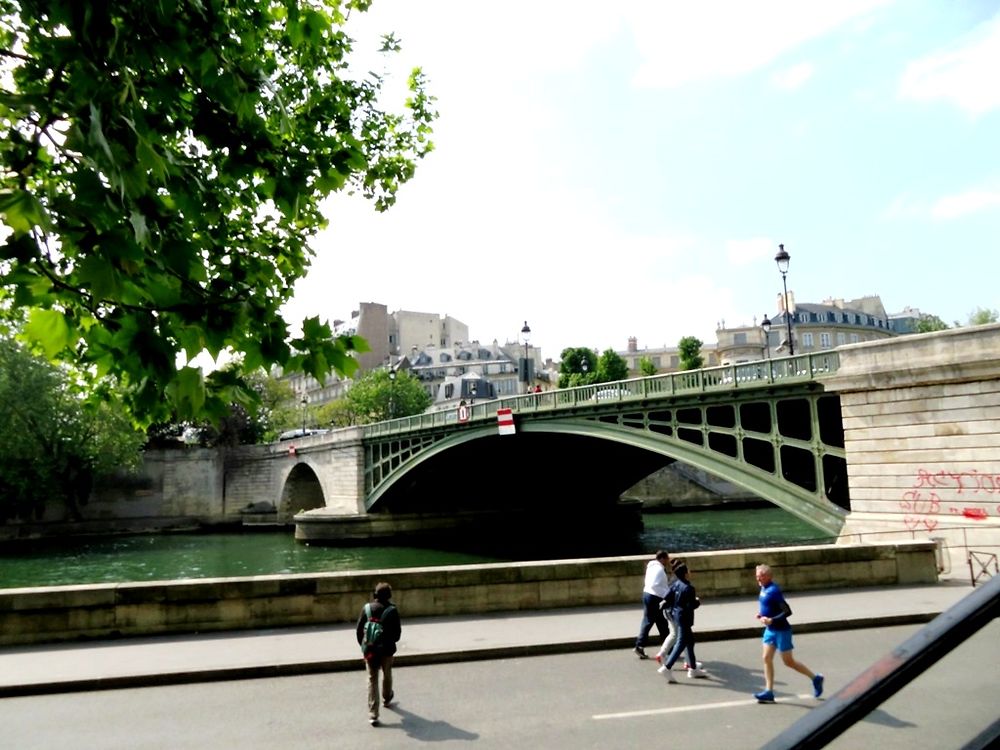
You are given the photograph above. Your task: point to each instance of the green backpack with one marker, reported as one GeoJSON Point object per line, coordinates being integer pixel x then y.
{"type": "Point", "coordinates": [372, 640]}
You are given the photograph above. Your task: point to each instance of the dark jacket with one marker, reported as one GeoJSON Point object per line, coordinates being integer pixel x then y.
{"type": "Point", "coordinates": [392, 627]}
{"type": "Point", "coordinates": [685, 602]}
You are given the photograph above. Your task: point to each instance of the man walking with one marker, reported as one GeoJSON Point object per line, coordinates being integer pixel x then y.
{"type": "Point", "coordinates": [379, 629]}
{"type": "Point", "coordinates": [777, 636]}
{"type": "Point", "coordinates": [654, 589]}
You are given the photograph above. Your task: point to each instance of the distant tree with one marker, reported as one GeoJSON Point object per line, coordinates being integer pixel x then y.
{"type": "Point", "coordinates": [981, 316]}
{"type": "Point", "coordinates": [374, 397]}
{"type": "Point", "coordinates": [163, 169]}
{"type": "Point", "coordinates": [689, 349]}
{"type": "Point", "coordinates": [646, 367]}
{"type": "Point", "coordinates": [578, 366]}
{"type": "Point", "coordinates": [611, 366]}
{"type": "Point", "coordinates": [53, 442]}
{"type": "Point", "coordinates": [337, 413]}
{"type": "Point", "coordinates": [928, 323]}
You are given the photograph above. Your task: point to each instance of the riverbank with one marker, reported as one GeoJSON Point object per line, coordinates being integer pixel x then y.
{"type": "Point", "coordinates": [131, 609]}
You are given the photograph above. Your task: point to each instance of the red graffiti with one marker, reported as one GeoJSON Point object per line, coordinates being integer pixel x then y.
{"type": "Point", "coordinates": [960, 481]}
{"type": "Point", "coordinates": [922, 503]}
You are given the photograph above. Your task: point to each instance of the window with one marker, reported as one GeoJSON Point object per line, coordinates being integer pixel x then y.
{"type": "Point", "coordinates": [854, 338]}
{"type": "Point", "coordinates": [739, 339]}
{"type": "Point", "coordinates": [445, 357]}
{"type": "Point", "coordinates": [841, 339]}
{"type": "Point", "coordinates": [807, 340]}
{"type": "Point", "coordinates": [824, 340]}
{"type": "Point", "coordinates": [656, 362]}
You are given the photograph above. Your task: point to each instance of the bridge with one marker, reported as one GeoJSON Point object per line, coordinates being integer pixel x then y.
{"type": "Point", "coordinates": [895, 436]}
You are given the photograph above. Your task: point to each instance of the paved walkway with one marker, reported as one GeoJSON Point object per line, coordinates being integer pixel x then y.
{"type": "Point", "coordinates": [95, 665]}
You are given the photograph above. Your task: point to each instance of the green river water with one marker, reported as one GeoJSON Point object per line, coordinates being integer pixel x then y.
{"type": "Point", "coordinates": [211, 555]}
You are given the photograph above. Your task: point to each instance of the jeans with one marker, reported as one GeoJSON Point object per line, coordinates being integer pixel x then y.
{"type": "Point", "coordinates": [651, 615]}
{"type": "Point", "coordinates": [685, 641]}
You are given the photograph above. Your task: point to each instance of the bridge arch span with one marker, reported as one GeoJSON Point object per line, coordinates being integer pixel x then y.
{"type": "Point", "coordinates": [802, 503]}
{"type": "Point", "coordinates": [301, 490]}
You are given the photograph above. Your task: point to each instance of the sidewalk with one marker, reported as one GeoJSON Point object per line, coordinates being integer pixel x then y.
{"type": "Point", "coordinates": [135, 662]}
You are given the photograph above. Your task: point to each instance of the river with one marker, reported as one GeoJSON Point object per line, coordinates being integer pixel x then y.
{"type": "Point", "coordinates": [212, 555]}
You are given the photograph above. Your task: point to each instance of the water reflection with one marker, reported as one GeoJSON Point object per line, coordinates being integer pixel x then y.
{"type": "Point", "coordinates": [179, 556]}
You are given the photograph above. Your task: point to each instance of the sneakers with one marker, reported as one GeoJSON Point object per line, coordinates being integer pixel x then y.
{"type": "Point", "coordinates": [388, 700]}
{"type": "Point", "coordinates": [659, 658]}
{"type": "Point", "coordinates": [373, 722]}
{"type": "Point", "coordinates": [668, 673]}
{"type": "Point", "coordinates": [699, 665]}
{"type": "Point", "coordinates": [695, 672]}
{"type": "Point", "coordinates": [764, 696]}
{"type": "Point", "coordinates": [818, 685]}
{"type": "Point", "coordinates": [640, 652]}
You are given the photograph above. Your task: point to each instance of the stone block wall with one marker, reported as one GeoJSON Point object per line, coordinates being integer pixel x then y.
{"type": "Point", "coordinates": [132, 609]}
{"type": "Point", "coordinates": [922, 434]}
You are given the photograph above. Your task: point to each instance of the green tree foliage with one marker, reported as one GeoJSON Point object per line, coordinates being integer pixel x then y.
{"type": "Point", "coordinates": [53, 442]}
{"type": "Point", "coordinates": [162, 167]}
{"type": "Point", "coordinates": [928, 323]}
{"type": "Point", "coordinates": [375, 396]}
{"type": "Point", "coordinates": [689, 349]}
{"type": "Point", "coordinates": [578, 366]}
{"type": "Point", "coordinates": [981, 316]}
{"type": "Point", "coordinates": [611, 366]}
{"type": "Point", "coordinates": [646, 367]}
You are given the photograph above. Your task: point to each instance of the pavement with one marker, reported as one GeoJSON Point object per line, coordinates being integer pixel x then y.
{"type": "Point", "coordinates": [205, 657]}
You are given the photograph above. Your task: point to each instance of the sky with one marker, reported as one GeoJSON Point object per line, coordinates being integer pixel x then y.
{"type": "Point", "coordinates": [610, 170]}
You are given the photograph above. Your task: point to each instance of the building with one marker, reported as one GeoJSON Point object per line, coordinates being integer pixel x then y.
{"type": "Point", "coordinates": [433, 347]}
{"type": "Point", "coordinates": [664, 358]}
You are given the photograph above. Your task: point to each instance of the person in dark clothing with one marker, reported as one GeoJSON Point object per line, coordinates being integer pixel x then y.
{"type": "Point", "coordinates": [381, 656]}
{"type": "Point", "coordinates": [685, 602]}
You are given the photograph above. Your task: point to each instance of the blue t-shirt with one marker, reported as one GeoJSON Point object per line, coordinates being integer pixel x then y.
{"type": "Point", "coordinates": [770, 606]}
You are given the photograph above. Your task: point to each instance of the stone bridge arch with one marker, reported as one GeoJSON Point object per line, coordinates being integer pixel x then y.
{"type": "Point", "coordinates": [301, 490]}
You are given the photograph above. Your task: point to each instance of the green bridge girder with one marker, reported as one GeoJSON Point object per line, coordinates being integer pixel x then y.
{"type": "Point", "coordinates": [766, 426]}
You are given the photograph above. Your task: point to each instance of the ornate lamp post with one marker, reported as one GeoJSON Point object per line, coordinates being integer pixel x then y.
{"type": "Point", "coordinates": [782, 259]}
{"type": "Point", "coordinates": [392, 393]}
{"type": "Point", "coordinates": [305, 403]}
{"type": "Point", "coordinates": [526, 336]}
{"type": "Point", "coordinates": [765, 326]}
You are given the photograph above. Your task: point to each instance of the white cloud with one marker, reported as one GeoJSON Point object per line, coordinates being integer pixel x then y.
{"type": "Point", "coordinates": [793, 77]}
{"type": "Point", "coordinates": [745, 252]}
{"type": "Point", "coordinates": [685, 42]}
{"type": "Point", "coordinates": [965, 73]}
{"type": "Point", "coordinates": [963, 204]}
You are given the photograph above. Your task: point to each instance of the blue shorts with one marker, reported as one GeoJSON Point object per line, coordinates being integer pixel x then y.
{"type": "Point", "coordinates": [782, 639]}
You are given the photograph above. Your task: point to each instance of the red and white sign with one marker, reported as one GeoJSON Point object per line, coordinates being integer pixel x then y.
{"type": "Point", "coordinates": [505, 419]}
{"type": "Point", "coordinates": [463, 413]}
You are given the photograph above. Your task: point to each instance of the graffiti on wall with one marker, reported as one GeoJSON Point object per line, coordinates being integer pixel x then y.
{"type": "Point", "coordinates": [971, 494]}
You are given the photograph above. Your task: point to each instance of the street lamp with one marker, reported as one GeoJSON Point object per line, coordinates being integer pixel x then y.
{"type": "Point", "coordinates": [782, 259]}
{"type": "Point", "coordinates": [765, 326]}
{"type": "Point", "coordinates": [473, 390]}
{"type": "Point", "coordinates": [392, 393]}
{"type": "Point", "coordinates": [304, 402]}
{"type": "Point", "coordinates": [526, 335]}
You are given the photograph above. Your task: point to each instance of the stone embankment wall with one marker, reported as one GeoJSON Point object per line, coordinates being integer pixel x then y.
{"type": "Point", "coordinates": [922, 433]}
{"type": "Point", "coordinates": [132, 609]}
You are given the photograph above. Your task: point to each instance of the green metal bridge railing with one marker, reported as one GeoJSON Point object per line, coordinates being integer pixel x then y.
{"type": "Point", "coordinates": [760, 374]}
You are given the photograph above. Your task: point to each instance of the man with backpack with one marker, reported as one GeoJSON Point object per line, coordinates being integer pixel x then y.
{"type": "Point", "coordinates": [379, 629]}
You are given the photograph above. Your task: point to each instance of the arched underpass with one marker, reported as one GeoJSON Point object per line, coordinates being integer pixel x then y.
{"type": "Point", "coordinates": [301, 491]}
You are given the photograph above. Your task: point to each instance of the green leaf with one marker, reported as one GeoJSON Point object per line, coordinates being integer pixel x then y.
{"type": "Point", "coordinates": [49, 329]}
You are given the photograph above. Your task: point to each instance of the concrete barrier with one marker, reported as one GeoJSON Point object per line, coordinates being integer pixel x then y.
{"type": "Point", "coordinates": [62, 613]}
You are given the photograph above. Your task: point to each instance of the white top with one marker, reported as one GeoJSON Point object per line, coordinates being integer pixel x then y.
{"type": "Point", "coordinates": [657, 580]}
